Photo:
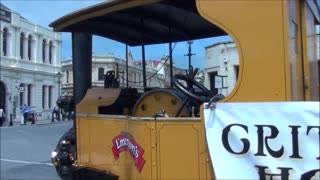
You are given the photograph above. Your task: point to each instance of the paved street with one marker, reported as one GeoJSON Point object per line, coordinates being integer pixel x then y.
{"type": "Point", "coordinates": [26, 150]}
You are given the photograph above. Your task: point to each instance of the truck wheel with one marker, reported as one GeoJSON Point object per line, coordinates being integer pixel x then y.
{"type": "Point", "coordinates": [63, 157]}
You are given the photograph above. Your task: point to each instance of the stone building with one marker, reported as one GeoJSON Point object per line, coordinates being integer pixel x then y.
{"type": "Point", "coordinates": [30, 61]}
{"type": "Point", "coordinates": [221, 67]}
{"type": "Point", "coordinates": [157, 72]}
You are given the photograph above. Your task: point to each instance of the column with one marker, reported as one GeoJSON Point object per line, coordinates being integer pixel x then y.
{"type": "Point", "coordinates": [45, 96]}
{"type": "Point", "coordinates": [33, 49]}
{"type": "Point", "coordinates": [9, 44]}
{"type": "Point", "coordinates": [53, 54]}
{"type": "Point", "coordinates": [16, 44]}
{"type": "Point", "coordinates": [39, 49]}
{"type": "Point", "coordinates": [59, 54]}
{"type": "Point", "coordinates": [25, 94]}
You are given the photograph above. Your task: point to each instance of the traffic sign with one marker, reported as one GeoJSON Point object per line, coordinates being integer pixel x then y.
{"type": "Point", "coordinates": [21, 89]}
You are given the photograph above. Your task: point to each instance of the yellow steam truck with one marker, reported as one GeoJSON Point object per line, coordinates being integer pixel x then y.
{"type": "Point", "coordinates": [123, 132]}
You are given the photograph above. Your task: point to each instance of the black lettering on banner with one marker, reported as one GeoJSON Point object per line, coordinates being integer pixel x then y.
{"type": "Point", "coordinates": [262, 141]}
{"type": "Point", "coordinates": [316, 127]}
{"type": "Point", "coordinates": [284, 174]}
{"type": "Point", "coordinates": [295, 142]}
{"type": "Point", "coordinates": [309, 175]}
{"type": "Point", "coordinates": [225, 141]}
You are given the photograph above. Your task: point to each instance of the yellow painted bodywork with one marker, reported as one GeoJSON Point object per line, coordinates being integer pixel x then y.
{"type": "Point", "coordinates": [173, 148]}
{"type": "Point", "coordinates": [272, 45]}
{"type": "Point", "coordinates": [167, 142]}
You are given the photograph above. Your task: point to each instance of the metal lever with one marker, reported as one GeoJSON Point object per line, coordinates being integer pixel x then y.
{"type": "Point", "coordinates": [213, 100]}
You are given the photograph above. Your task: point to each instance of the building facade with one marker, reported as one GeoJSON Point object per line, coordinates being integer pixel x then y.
{"type": "Point", "coordinates": [30, 61]}
{"type": "Point", "coordinates": [221, 67]}
{"type": "Point", "coordinates": [157, 72]}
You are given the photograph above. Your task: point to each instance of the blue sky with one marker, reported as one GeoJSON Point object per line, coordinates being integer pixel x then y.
{"type": "Point", "coordinates": [44, 12]}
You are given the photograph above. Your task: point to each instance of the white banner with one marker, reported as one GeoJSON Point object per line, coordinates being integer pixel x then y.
{"type": "Point", "coordinates": [277, 140]}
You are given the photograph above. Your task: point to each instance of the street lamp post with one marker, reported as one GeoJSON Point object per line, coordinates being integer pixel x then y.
{"type": "Point", "coordinates": [190, 68]}
{"type": "Point", "coordinates": [189, 61]}
{"type": "Point", "coordinates": [59, 75]}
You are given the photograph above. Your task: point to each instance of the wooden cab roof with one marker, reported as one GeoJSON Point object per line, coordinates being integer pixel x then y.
{"type": "Point", "coordinates": [137, 22]}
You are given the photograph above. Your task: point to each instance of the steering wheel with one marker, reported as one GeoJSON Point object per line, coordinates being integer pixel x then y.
{"type": "Point", "coordinates": [190, 91]}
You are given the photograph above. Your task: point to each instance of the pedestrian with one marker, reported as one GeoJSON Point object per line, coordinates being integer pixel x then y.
{"type": "Point", "coordinates": [56, 113]}
{"type": "Point", "coordinates": [2, 116]}
{"type": "Point", "coordinates": [25, 111]}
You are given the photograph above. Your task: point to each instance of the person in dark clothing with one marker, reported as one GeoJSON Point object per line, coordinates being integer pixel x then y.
{"type": "Point", "coordinates": [25, 111]}
{"type": "Point", "coordinates": [56, 113]}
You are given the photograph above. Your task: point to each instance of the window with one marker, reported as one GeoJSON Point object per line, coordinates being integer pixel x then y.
{"type": "Point", "coordinates": [29, 47]}
{"type": "Point", "coordinates": [43, 96]}
{"type": "Point", "coordinates": [101, 74]}
{"type": "Point", "coordinates": [50, 97]}
{"type": "Point", "coordinates": [4, 41]}
{"type": "Point", "coordinates": [67, 76]}
{"type": "Point", "coordinates": [29, 96]}
{"type": "Point", "coordinates": [213, 87]}
{"type": "Point", "coordinates": [21, 94]}
{"type": "Point", "coordinates": [22, 45]}
{"type": "Point", "coordinates": [44, 42]}
{"type": "Point", "coordinates": [236, 70]}
{"type": "Point", "coordinates": [50, 52]}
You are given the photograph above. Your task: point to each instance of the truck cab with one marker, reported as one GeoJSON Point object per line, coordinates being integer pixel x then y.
{"type": "Point", "coordinates": [160, 133]}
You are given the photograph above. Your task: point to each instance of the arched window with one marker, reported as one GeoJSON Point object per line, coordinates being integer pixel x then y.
{"type": "Point", "coordinates": [22, 36]}
{"type": "Point", "coordinates": [4, 41]}
{"type": "Point", "coordinates": [44, 42]}
{"type": "Point", "coordinates": [29, 47]}
{"type": "Point", "coordinates": [50, 52]}
{"type": "Point", "coordinates": [101, 74]}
